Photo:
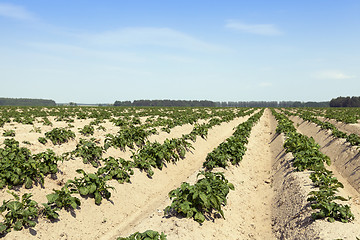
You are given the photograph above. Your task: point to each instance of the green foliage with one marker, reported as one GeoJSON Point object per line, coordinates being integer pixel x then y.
{"type": "Point", "coordinates": [129, 137]}
{"type": "Point", "coordinates": [147, 235]}
{"type": "Point", "coordinates": [57, 200]}
{"type": "Point", "coordinates": [353, 139]}
{"type": "Point", "coordinates": [47, 162]}
{"type": "Point", "coordinates": [89, 152]}
{"type": "Point", "coordinates": [9, 133]}
{"type": "Point", "coordinates": [308, 156]}
{"type": "Point", "coordinates": [87, 130]}
{"type": "Point", "coordinates": [207, 195]}
{"type": "Point", "coordinates": [118, 169]}
{"type": "Point", "coordinates": [233, 149]}
{"type": "Point", "coordinates": [42, 140]}
{"type": "Point", "coordinates": [150, 155]}
{"type": "Point", "coordinates": [90, 184]}
{"type": "Point", "coordinates": [18, 213]}
{"type": "Point", "coordinates": [324, 201]}
{"type": "Point", "coordinates": [46, 121]}
{"type": "Point", "coordinates": [18, 166]}
{"type": "Point", "coordinates": [60, 135]}
{"type": "Point", "coordinates": [305, 151]}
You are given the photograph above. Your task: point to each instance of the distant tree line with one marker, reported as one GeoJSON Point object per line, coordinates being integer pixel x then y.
{"type": "Point", "coordinates": [273, 104]}
{"type": "Point", "coordinates": [345, 102]}
{"type": "Point", "coordinates": [205, 103]}
{"type": "Point", "coordinates": [166, 103]}
{"type": "Point", "coordinates": [26, 102]}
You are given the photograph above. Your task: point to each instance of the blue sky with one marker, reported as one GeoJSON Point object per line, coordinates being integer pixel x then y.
{"type": "Point", "coordinates": [103, 51]}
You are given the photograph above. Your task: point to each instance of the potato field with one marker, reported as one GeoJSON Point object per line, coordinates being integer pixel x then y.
{"type": "Point", "coordinates": [179, 173]}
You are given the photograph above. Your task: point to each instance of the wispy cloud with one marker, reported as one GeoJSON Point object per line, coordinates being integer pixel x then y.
{"type": "Point", "coordinates": [260, 29]}
{"type": "Point", "coordinates": [74, 51]}
{"type": "Point", "coordinates": [148, 36]}
{"type": "Point", "coordinates": [332, 74]}
{"type": "Point", "coordinates": [15, 12]}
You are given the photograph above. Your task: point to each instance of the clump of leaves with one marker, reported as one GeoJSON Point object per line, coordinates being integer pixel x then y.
{"type": "Point", "coordinates": [57, 200]}
{"type": "Point", "coordinates": [90, 184]}
{"type": "Point", "coordinates": [60, 135]}
{"type": "Point", "coordinates": [87, 130]}
{"type": "Point", "coordinates": [207, 195]}
{"type": "Point", "coordinates": [42, 140]}
{"type": "Point", "coordinates": [89, 152]}
{"type": "Point", "coordinates": [324, 198]}
{"type": "Point", "coordinates": [26, 142]}
{"type": "Point", "coordinates": [18, 166]}
{"type": "Point", "coordinates": [305, 151]}
{"type": "Point", "coordinates": [36, 129]}
{"type": "Point", "coordinates": [118, 169]}
{"type": "Point", "coordinates": [18, 213]}
{"type": "Point", "coordinates": [147, 235]}
{"type": "Point", "coordinates": [46, 121]}
{"type": "Point", "coordinates": [9, 133]}
{"type": "Point", "coordinates": [129, 137]}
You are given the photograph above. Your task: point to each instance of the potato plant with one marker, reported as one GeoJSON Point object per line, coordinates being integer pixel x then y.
{"type": "Point", "coordinates": [90, 184]}
{"type": "Point", "coordinates": [118, 169]}
{"type": "Point", "coordinates": [147, 235]}
{"type": "Point", "coordinates": [197, 201]}
{"type": "Point", "coordinates": [308, 156]}
{"type": "Point", "coordinates": [18, 166]}
{"type": "Point", "coordinates": [89, 152]}
{"type": "Point", "coordinates": [60, 135]}
{"type": "Point", "coordinates": [87, 130]}
{"type": "Point", "coordinates": [9, 133]}
{"type": "Point", "coordinates": [18, 213]}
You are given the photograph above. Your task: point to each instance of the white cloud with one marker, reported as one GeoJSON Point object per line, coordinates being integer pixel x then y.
{"type": "Point", "coordinates": [332, 74]}
{"type": "Point", "coordinates": [164, 37]}
{"type": "Point", "coordinates": [73, 51]}
{"type": "Point", "coordinates": [15, 12]}
{"type": "Point", "coordinates": [260, 29]}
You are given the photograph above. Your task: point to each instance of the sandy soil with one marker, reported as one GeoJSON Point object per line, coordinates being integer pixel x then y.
{"type": "Point", "coordinates": [347, 128]}
{"type": "Point", "coordinates": [248, 213]}
{"type": "Point", "coordinates": [345, 166]}
{"type": "Point", "coordinates": [269, 201]}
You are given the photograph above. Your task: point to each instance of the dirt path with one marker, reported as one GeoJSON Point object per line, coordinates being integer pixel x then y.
{"type": "Point", "coordinates": [248, 212]}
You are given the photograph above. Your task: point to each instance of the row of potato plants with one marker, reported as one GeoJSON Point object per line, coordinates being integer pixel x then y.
{"type": "Point", "coordinates": [208, 194]}
{"type": "Point", "coordinates": [154, 154]}
{"type": "Point", "coordinates": [307, 156]}
{"type": "Point", "coordinates": [168, 116]}
{"type": "Point", "coordinates": [353, 139]}
{"type": "Point", "coordinates": [201, 199]}
{"type": "Point", "coordinates": [90, 184]}
{"type": "Point", "coordinates": [346, 115]}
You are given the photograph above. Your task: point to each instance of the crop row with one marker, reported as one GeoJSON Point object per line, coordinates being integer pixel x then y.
{"type": "Point", "coordinates": [307, 156]}
{"type": "Point", "coordinates": [24, 212]}
{"type": "Point", "coordinates": [209, 193]}
{"type": "Point", "coordinates": [352, 138]}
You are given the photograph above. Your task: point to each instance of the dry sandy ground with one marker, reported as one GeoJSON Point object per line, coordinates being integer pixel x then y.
{"type": "Point", "coordinates": [269, 201]}
{"type": "Point", "coordinates": [347, 128]}
{"type": "Point", "coordinates": [248, 212]}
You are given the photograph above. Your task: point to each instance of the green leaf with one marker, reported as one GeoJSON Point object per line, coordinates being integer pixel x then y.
{"type": "Point", "coordinates": [52, 197]}
{"type": "Point", "coordinates": [92, 188]}
{"type": "Point", "coordinates": [84, 190]}
{"type": "Point", "coordinates": [18, 225]}
{"type": "Point", "coordinates": [199, 217]}
{"type": "Point", "coordinates": [3, 227]}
